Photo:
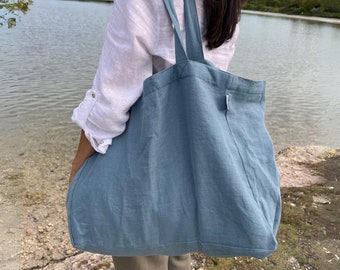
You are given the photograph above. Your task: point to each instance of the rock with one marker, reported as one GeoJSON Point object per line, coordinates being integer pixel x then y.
{"type": "Point", "coordinates": [295, 164]}
{"type": "Point", "coordinates": [321, 200]}
{"type": "Point", "coordinates": [294, 263]}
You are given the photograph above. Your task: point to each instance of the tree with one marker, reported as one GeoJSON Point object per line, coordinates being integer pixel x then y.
{"type": "Point", "coordinates": [10, 10]}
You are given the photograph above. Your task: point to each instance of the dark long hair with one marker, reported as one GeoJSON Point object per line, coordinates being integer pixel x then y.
{"type": "Point", "coordinates": [222, 17]}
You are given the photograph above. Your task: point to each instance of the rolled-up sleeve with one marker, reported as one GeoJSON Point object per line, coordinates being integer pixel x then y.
{"type": "Point", "coordinates": [125, 62]}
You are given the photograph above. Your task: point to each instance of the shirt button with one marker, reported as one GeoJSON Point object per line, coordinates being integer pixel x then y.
{"type": "Point", "coordinates": [93, 95]}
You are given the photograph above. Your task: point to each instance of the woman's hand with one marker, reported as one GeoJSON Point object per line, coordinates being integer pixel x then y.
{"type": "Point", "coordinates": [74, 169]}
{"type": "Point", "coordinates": [84, 151]}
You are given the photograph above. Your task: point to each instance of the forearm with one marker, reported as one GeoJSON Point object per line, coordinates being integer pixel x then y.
{"type": "Point", "coordinates": [84, 151]}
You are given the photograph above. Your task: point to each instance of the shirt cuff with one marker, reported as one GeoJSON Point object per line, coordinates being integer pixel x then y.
{"type": "Point", "coordinates": [100, 146]}
{"type": "Point", "coordinates": [80, 117]}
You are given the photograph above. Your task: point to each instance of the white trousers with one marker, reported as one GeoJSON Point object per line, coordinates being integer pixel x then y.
{"type": "Point", "coordinates": [153, 263]}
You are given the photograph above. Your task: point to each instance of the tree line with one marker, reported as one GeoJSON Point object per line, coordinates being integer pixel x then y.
{"type": "Point", "coordinates": [319, 8]}
{"type": "Point", "coordinates": [10, 10]}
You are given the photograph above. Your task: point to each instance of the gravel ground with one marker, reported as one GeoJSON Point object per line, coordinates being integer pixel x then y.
{"type": "Point", "coordinates": [33, 225]}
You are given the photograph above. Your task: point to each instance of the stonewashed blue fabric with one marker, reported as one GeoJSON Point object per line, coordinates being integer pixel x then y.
{"type": "Point", "coordinates": [194, 170]}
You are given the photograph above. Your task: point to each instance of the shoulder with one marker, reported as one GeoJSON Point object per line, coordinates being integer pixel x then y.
{"type": "Point", "coordinates": [135, 23]}
{"type": "Point", "coordinates": [138, 7]}
{"type": "Point", "coordinates": [136, 14]}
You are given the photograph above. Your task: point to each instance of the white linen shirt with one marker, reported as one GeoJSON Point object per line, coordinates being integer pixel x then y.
{"type": "Point", "coordinates": [139, 42]}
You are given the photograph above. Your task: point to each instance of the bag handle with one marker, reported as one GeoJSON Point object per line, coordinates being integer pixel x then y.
{"type": "Point", "coordinates": [194, 50]}
{"type": "Point", "coordinates": [193, 32]}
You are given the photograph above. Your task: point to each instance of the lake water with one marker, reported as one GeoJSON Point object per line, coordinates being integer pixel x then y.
{"type": "Point", "coordinates": [48, 61]}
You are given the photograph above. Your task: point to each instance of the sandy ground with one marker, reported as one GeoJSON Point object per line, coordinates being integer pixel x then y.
{"type": "Point", "coordinates": [33, 227]}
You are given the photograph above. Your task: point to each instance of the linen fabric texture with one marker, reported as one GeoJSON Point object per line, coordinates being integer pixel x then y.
{"type": "Point", "coordinates": [193, 171]}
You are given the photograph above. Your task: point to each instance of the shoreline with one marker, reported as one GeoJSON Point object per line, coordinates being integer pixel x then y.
{"type": "Point", "coordinates": [264, 13]}
{"type": "Point", "coordinates": [296, 17]}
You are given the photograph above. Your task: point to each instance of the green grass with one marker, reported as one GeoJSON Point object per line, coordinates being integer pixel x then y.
{"type": "Point", "coordinates": [319, 8]}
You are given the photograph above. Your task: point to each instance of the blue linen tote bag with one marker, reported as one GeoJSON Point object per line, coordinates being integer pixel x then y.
{"type": "Point", "coordinates": [194, 170]}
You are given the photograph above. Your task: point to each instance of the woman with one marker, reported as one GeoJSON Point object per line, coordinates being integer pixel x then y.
{"type": "Point", "coordinates": [139, 42]}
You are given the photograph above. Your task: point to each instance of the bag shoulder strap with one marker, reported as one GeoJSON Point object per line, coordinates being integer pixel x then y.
{"type": "Point", "coordinates": [194, 49]}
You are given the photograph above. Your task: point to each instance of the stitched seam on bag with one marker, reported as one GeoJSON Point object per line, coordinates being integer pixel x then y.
{"type": "Point", "coordinates": [242, 161]}
{"type": "Point", "coordinates": [202, 245]}
{"type": "Point", "coordinates": [248, 178]}
{"type": "Point", "coordinates": [211, 82]}
{"type": "Point", "coordinates": [244, 169]}
{"type": "Point", "coordinates": [247, 175]}
{"type": "Point", "coordinates": [222, 88]}
{"type": "Point", "coordinates": [234, 247]}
